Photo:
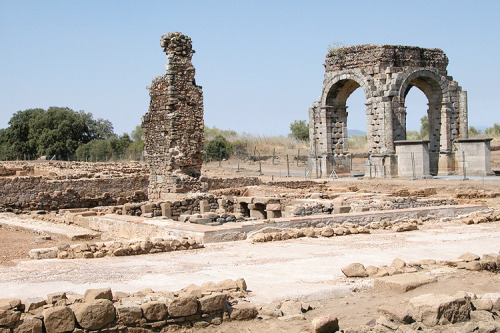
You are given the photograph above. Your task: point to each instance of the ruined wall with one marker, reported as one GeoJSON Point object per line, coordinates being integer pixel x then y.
{"type": "Point", "coordinates": [386, 73]}
{"type": "Point", "coordinates": [40, 193]}
{"type": "Point", "coordinates": [173, 126]}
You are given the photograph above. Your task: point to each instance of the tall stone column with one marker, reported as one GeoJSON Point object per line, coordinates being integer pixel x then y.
{"type": "Point", "coordinates": [173, 126]}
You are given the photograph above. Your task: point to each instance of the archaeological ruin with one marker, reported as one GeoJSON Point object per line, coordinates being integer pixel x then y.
{"type": "Point", "coordinates": [173, 127]}
{"type": "Point", "coordinates": [386, 73]}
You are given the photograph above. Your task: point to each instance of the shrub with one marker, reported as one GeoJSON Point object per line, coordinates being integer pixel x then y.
{"type": "Point", "coordinates": [218, 148]}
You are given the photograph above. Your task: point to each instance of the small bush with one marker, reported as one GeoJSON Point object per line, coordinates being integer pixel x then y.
{"type": "Point", "coordinates": [218, 148]}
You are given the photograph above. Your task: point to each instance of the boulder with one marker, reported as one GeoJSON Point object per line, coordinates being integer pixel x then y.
{"type": "Point", "coordinates": [58, 319]}
{"type": "Point", "coordinates": [9, 317]}
{"type": "Point", "coordinates": [212, 303]}
{"type": "Point", "coordinates": [227, 284]}
{"type": "Point", "coordinates": [154, 311]}
{"type": "Point", "coordinates": [94, 315]}
{"type": "Point", "coordinates": [398, 263]}
{"type": "Point", "coordinates": [327, 232]}
{"type": "Point", "coordinates": [371, 270]}
{"type": "Point", "coordinates": [291, 307]}
{"type": "Point", "coordinates": [434, 309]}
{"type": "Point", "coordinates": [128, 313]}
{"type": "Point", "coordinates": [28, 324]}
{"type": "Point", "coordinates": [482, 304]}
{"type": "Point", "coordinates": [469, 256]}
{"type": "Point", "coordinates": [241, 283]}
{"type": "Point", "coordinates": [495, 299]}
{"type": "Point", "coordinates": [93, 294]}
{"type": "Point", "coordinates": [355, 270]}
{"type": "Point", "coordinates": [243, 311]}
{"type": "Point", "coordinates": [9, 303]}
{"type": "Point", "coordinates": [183, 306]}
{"type": "Point", "coordinates": [325, 323]}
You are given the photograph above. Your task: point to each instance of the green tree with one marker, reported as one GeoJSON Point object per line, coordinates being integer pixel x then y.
{"type": "Point", "coordinates": [424, 127]}
{"type": "Point", "coordinates": [299, 130]}
{"type": "Point", "coordinates": [55, 131]}
{"type": "Point", "coordinates": [218, 148]}
{"type": "Point", "coordinates": [474, 131]}
{"type": "Point", "coordinates": [493, 131]}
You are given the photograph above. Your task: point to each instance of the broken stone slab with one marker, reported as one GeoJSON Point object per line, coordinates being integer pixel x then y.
{"type": "Point", "coordinates": [434, 309]}
{"type": "Point", "coordinates": [402, 283]}
{"type": "Point", "coordinates": [33, 303]}
{"type": "Point", "coordinates": [395, 313]}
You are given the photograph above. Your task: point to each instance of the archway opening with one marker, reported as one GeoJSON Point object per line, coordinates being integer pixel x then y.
{"type": "Point", "coordinates": [417, 121]}
{"type": "Point", "coordinates": [347, 107]}
{"type": "Point", "coordinates": [434, 96]}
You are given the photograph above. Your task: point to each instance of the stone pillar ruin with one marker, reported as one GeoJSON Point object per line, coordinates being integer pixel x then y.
{"type": "Point", "coordinates": [386, 73]}
{"type": "Point", "coordinates": [173, 126]}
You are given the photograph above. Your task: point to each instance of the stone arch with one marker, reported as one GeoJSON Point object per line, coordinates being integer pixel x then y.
{"type": "Point", "coordinates": [360, 80]}
{"type": "Point", "coordinates": [435, 88]}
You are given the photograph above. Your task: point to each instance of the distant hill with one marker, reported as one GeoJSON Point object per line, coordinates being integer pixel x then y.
{"type": "Point", "coordinates": [352, 132]}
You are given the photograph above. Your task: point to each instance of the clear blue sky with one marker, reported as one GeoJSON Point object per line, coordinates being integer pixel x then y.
{"type": "Point", "coordinates": [259, 62]}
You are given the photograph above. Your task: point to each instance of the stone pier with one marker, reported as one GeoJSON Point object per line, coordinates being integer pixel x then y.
{"type": "Point", "coordinates": [173, 126]}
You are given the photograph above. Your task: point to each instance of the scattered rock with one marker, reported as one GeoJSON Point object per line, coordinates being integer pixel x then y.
{"type": "Point", "coordinates": [326, 323]}
{"type": "Point", "coordinates": [355, 270]}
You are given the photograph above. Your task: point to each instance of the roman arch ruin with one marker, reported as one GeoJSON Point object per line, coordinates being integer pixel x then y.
{"type": "Point", "coordinates": [386, 73]}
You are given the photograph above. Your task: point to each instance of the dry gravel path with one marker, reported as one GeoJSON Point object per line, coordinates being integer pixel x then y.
{"type": "Point", "coordinates": [302, 267]}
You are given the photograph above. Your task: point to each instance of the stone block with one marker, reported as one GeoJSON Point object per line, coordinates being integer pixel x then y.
{"type": "Point", "coordinates": [403, 282]}
{"type": "Point", "coordinates": [9, 317]}
{"type": "Point", "coordinates": [129, 314]}
{"type": "Point", "coordinates": [434, 309]}
{"type": "Point", "coordinates": [94, 315]}
{"type": "Point", "coordinates": [325, 323]}
{"type": "Point", "coordinates": [243, 311]}
{"type": "Point", "coordinates": [28, 325]}
{"type": "Point", "coordinates": [154, 311]}
{"type": "Point", "coordinates": [58, 319]}
{"type": "Point", "coordinates": [93, 294]}
{"type": "Point", "coordinates": [183, 306]}
{"type": "Point", "coordinates": [355, 270]}
{"type": "Point", "coordinates": [212, 303]}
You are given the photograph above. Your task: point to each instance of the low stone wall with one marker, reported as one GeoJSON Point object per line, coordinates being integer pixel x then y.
{"type": "Point", "coordinates": [116, 249]}
{"type": "Point", "coordinates": [99, 310]}
{"type": "Point", "coordinates": [39, 193]}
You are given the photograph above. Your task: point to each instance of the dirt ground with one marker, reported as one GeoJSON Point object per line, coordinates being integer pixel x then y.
{"type": "Point", "coordinates": [308, 269]}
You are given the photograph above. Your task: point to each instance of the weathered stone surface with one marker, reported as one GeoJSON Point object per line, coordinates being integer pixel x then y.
{"type": "Point", "coordinates": [325, 323]}
{"type": "Point", "coordinates": [173, 126]}
{"type": "Point", "coordinates": [154, 311]}
{"type": "Point", "coordinates": [371, 270]}
{"type": "Point", "coordinates": [403, 282]}
{"type": "Point", "coordinates": [482, 304]}
{"type": "Point", "coordinates": [93, 294]}
{"type": "Point", "coordinates": [54, 297]}
{"type": "Point", "coordinates": [241, 283]}
{"type": "Point", "coordinates": [384, 72]}
{"type": "Point", "coordinates": [434, 309]}
{"type": "Point", "coordinates": [291, 307]}
{"type": "Point", "coordinates": [183, 306]}
{"type": "Point", "coordinates": [495, 299]}
{"type": "Point", "coordinates": [243, 311]}
{"type": "Point", "coordinates": [227, 284]}
{"type": "Point", "coordinates": [95, 314]}
{"type": "Point", "coordinates": [355, 270]}
{"type": "Point", "coordinates": [9, 317]}
{"type": "Point", "coordinates": [128, 313]}
{"type": "Point", "coordinates": [469, 256]}
{"type": "Point", "coordinates": [33, 303]}
{"type": "Point", "coordinates": [394, 313]}
{"type": "Point", "coordinates": [398, 263]}
{"type": "Point", "coordinates": [28, 325]}
{"type": "Point", "coordinates": [212, 303]}
{"type": "Point", "coordinates": [58, 319]}
{"type": "Point", "coordinates": [9, 303]}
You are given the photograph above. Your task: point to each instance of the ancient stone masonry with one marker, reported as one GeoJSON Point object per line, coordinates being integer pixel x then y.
{"type": "Point", "coordinates": [386, 73]}
{"type": "Point", "coordinates": [173, 126]}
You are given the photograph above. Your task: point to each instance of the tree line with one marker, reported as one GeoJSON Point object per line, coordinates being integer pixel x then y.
{"type": "Point", "coordinates": [62, 133]}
